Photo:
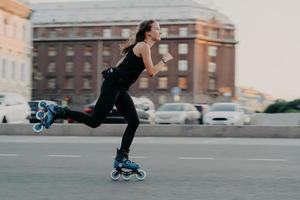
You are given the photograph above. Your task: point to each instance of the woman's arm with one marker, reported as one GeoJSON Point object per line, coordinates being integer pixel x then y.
{"type": "Point", "coordinates": [150, 68]}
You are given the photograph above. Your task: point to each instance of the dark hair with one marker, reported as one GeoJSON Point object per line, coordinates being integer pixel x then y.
{"type": "Point", "coordinates": [138, 36]}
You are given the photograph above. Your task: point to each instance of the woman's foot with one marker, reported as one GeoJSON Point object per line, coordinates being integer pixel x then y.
{"type": "Point", "coordinates": [122, 161]}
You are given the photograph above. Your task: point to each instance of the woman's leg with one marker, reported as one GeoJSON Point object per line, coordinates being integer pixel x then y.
{"type": "Point", "coordinates": [127, 109]}
{"type": "Point", "coordinates": [105, 102]}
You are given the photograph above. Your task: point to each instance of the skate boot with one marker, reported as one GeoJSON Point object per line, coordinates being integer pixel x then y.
{"type": "Point", "coordinates": [125, 167]}
{"type": "Point", "coordinates": [47, 114]}
{"type": "Point", "coordinates": [122, 161]}
{"type": "Point", "coordinates": [54, 112]}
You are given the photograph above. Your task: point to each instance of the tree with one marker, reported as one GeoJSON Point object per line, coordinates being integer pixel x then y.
{"type": "Point", "coordinates": [281, 106]}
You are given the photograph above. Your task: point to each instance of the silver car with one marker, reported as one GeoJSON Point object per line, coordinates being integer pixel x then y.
{"type": "Point", "coordinates": [177, 113]}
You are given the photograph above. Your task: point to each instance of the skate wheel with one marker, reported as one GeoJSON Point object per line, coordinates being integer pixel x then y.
{"type": "Point", "coordinates": [42, 105]}
{"type": "Point", "coordinates": [115, 175]}
{"type": "Point", "coordinates": [40, 115]}
{"type": "Point", "coordinates": [141, 175]}
{"type": "Point", "coordinates": [38, 127]}
{"type": "Point", "coordinates": [126, 176]}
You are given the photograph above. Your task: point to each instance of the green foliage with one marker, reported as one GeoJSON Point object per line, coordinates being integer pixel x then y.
{"type": "Point", "coordinates": [281, 106]}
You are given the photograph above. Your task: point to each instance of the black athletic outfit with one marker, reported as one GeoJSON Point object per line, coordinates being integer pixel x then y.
{"type": "Point", "coordinates": [114, 92]}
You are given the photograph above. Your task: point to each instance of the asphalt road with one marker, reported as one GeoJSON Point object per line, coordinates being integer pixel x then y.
{"type": "Point", "coordinates": [77, 168]}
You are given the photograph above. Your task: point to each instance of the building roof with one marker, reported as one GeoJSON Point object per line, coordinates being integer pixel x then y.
{"type": "Point", "coordinates": [124, 11]}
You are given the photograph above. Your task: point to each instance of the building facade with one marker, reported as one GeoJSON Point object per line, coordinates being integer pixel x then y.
{"type": "Point", "coordinates": [70, 52]}
{"type": "Point", "coordinates": [15, 48]}
{"type": "Point", "coordinates": [252, 98]}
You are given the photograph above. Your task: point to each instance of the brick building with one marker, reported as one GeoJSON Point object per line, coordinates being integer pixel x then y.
{"type": "Point", "coordinates": [74, 42]}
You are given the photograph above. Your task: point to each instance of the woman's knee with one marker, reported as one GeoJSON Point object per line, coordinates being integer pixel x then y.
{"type": "Point", "coordinates": [95, 124]}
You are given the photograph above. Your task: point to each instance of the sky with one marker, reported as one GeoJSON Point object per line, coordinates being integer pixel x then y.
{"type": "Point", "coordinates": [268, 34]}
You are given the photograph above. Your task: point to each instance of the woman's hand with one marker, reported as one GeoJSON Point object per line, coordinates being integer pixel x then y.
{"type": "Point", "coordinates": [167, 57]}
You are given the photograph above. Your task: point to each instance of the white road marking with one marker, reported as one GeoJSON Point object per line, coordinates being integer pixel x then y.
{"type": "Point", "coordinates": [65, 156]}
{"type": "Point", "coordinates": [195, 158]}
{"type": "Point", "coordinates": [9, 155]}
{"type": "Point", "coordinates": [266, 159]}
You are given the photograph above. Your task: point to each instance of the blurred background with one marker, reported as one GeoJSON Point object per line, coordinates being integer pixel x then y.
{"type": "Point", "coordinates": [235, 61]}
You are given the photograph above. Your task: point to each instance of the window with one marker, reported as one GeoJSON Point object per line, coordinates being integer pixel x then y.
{"type": "Point", "coordinates": [69, 84]}
{"type": "Point", "coordinates": [34, 85]}
{"type": "Point", "coordinates": [87, 67]}
{"type": "Point", "coordinates": [106, 50]}
{"type": "Point", "coordinates": [6, 24]}
{"type": "Point", "coordinates": [164, 32]}
{"type": "Point", "coordinates": [13, 70]}
{"type": "Point", "coordinates": [182, 65]}
{"type": "Point", "coordinates": [51, 67]}
{"type": "Point", "coordinates": [3, 71]}
{"type": "Point", "coordinates": [213, 34]}
{"type": "Point", "coordinates": [182, 82]}
{"type": "Point", "coordinates": [69, 67]}
{"type": "Point", "coordinates": [212, 67]}
{"type": "Point", "coordinates": [163, 49]}
{"type": "Point", "coordinates": [88, 33]}
{"type": "Point", "coordinates": [125, 32]}
{"type": "Point", "coordinates": [15, 30]}
{"type": "Point", "coordinates": [51, 51]}
{"type": "Point", "coordinates": [88, 51]}
{"type": "Point", "coordinates": [183, 31]}
{"type": "Point", "coordinates": [51, 83]}
{"type": "Point", "coordinates": [86, 83]}
{"type": "Point", "coordinates": [24, 32]}
{"type": "Point", "coordinates": [70, 51]}
{"type": "Point", "coordinates": [35, 52]}
{"type": "Point", "coordinates": [183, 48]}
{"type": "Point", "coordinates": [107, 33]}
{"type": "Point", "coordinates": [71, 34]}
{"type": "Point", "coordinates": [212, 84]}
{"type": "Point", "coordinates": [23, 72]}
{"type": "Point", "coordinates": [163, 82]}
{"type": "Point", "coordinates": [144, 82]}
{"type": "Point", "coordinates": [35, 34]}
{"type": "Point", "coordinates": [52, 34]}
{"type": "Point", "coordinates": [212, 51]}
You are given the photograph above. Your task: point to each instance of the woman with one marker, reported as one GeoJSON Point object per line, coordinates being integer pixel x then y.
{"type": "Point", "coordinates": [116, 83]}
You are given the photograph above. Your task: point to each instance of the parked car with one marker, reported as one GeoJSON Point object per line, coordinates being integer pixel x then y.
{"type": "Point", "coordinates": [13, 108]}
{"type": "Point", "coordinates": [177, 113]}
{"type": "Point", "coordinates": [224, 114]}
{"type": "Point", "coordinates": [149, 108]}
{"type": "Point", "coordinates": [114, 115]}
{"type": "Point", "coordinates": [34, 108]}
{"type": "Point", "coordinates": [248, 112]}
{"type": "Point", "coordinates": [203, 109]}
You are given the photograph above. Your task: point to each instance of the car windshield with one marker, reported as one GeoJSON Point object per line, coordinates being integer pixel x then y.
{"type": "Point", "coordinates": [171, 107]}
{"type": "Point", "coordinates": [1, 99]}
{"type": "Point", "coordinates": [222, 108]}
{"type": "Point", "coordinates": [33, 105]}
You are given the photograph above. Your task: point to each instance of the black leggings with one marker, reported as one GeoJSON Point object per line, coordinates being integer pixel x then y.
{"type": "Point", "coordinates": [111, 94]}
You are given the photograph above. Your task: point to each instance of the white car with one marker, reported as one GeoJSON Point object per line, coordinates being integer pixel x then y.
{"type": "Point", "coordinates": [177, 113]}
{"type": "Point", "coordinates": [13, 108]}
{"type": "Point", "coordinates": [224, 114]}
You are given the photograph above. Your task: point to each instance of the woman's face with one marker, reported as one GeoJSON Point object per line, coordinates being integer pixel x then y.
{"type": "Point", "coordinates": [154, 34]}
